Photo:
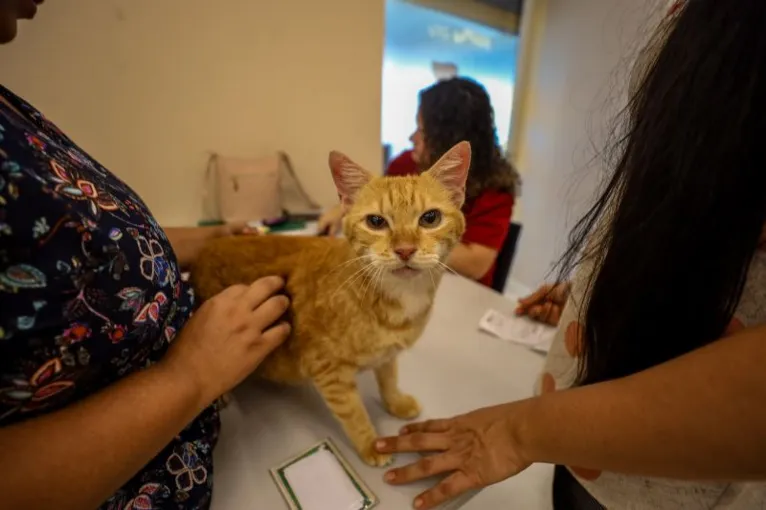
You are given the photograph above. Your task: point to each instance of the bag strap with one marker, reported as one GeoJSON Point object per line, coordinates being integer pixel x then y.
{"type": "Point", "coordinates": [210, 205]}
{"type": "Point", "coordinates": [292, 177]}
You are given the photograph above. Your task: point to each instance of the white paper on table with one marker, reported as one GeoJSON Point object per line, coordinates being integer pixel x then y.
{"type": "Point", "coordinates": [520, 330]}
{"type": "Point", "coordinates": [319, 482]}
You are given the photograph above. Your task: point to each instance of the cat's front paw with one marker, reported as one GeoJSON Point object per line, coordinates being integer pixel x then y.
{"type": "Point", "coordinates": [404, 407]}
{"type": "Point", "coordinates": [371, 457]}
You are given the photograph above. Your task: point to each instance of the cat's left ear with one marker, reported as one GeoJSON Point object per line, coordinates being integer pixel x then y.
{"type": "Point", "coordinates": [348, 176]}
{"type": "Point", "coordinates": [452, 171]}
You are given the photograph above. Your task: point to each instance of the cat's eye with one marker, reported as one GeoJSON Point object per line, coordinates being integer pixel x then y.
{"type": "Point", "coordinates": [376, 222]}
{"type": "Point", "coordinates": [430, 219]}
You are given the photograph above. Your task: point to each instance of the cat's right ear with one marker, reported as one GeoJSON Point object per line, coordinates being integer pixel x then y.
{"type": "Point", "coordinates": [452, 171]}
{"type": "Point", "coordinates": [348, 176]}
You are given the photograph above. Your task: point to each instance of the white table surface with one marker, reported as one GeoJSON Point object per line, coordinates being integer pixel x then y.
{"type": "Point", "coordinates": [452, 369]}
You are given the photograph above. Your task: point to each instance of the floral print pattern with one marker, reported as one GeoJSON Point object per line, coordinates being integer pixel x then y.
{"type": "Point", "coordinates": [90, 291]}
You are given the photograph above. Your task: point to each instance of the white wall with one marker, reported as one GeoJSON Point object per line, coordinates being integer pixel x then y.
{"type": "Point", "coordinates": [581, 56]}
{"type": "Point", "coordinates": [148, 87]}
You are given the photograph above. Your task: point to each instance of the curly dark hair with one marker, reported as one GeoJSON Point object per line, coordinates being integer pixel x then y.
{"type": "Point", "coordinates": [459, 109]}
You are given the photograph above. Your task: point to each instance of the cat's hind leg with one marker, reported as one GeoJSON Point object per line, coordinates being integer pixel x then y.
{"type": "Point", "coordinates": [398, 404]}
{"type": "Point", "coordinates": [337, 385]}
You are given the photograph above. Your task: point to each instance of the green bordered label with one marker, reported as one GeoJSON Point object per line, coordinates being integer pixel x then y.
{"type": "Point", "coordinates": [367, 499]}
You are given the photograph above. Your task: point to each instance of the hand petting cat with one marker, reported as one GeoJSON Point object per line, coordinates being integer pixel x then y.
{"type": "Point", "coordinates": [229, 337]}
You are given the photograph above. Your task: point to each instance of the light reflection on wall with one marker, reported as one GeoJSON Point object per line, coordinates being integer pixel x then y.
{"type": "Point", "coordinates": [416, 37]}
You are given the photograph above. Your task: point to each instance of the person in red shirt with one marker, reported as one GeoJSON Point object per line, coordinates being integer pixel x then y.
{"type": "Point", "coordinates": [452, 111]}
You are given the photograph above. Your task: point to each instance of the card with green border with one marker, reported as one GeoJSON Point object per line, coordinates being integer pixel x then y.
{"type": "Point", "coordinates": [320, 478]}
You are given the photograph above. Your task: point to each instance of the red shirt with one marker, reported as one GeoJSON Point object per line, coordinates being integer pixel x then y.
{"type": "Point", "coordinates": [403, 164]}
{"type": "Point", "coordinates": [487, 217]}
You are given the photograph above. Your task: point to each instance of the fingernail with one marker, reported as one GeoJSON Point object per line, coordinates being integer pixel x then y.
{"type": "Point", "coordinates": [390, 476]}
{"type": "Point", "coordinates": [418, 503]}
{"type": "Point", "coordinates": [380, 445]}
{"type": "Point", "coordinates": [403, 430]}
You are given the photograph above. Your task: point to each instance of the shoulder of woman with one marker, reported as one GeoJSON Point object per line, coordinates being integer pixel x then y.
{"type": "Point", "coordinates": [491, 199]}
{"type": "Point", "coordinates": [403, 164]}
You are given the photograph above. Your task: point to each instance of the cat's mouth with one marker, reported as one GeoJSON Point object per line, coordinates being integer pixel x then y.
{"type": "Point", "coordinates": [406, 272]}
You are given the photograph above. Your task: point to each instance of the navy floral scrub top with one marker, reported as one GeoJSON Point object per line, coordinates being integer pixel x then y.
{"type": "Point", "coordinates": [90, 291]}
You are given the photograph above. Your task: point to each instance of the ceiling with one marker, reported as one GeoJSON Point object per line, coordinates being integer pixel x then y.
{"type": "Point", "coordinates": [513, 6]}
{"type": "Point", "coordinates": [502, 15]}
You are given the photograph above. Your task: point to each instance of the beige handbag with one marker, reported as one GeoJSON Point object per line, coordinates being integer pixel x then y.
{"type": "Point", "coordinates": [254, 189]}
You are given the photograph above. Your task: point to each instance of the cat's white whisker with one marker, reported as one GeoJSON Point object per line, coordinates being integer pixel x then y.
{"type": "Point", "coordinates": [445, 266]}
{"type": "Point", "coordinates": [379, 283]}
{"type": "Point", "coordinates": [378, 275]}
{"type": "Point", "coordinates": [341, 266]}
{"type": "Point", "coordinates": [366, 276]}
{"type": "Point", "coordinates": [345, 264]}
{"type": "Point", "coordinates": [353, 277]}
{"type": "Point", "coordinates": [363, 277]}
{"type": "Point", "coordinates": [370, 281]}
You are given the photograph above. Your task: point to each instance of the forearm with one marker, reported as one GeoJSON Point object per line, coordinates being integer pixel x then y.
{"type": "Point", "coordinates": [187, 242]}
{"type": "Point", "coordinates": [82, 454]}
{"type": "Point", "coordinates": [471, 260]}
{"type": "Point", "coordinates": [700, 416]}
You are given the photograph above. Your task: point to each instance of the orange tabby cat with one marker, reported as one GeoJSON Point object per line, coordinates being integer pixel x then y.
{"type": "Point", "coordinates": [356, 302]}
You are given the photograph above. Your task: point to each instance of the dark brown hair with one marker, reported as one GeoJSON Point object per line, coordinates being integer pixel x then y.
{"type": "Point", "coordinates": [459, 109]}
{"type": "Point", "coordinates": [685, 203]}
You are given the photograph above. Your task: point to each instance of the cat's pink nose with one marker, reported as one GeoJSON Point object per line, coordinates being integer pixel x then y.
{"type": "Point", "coordinates": [405, 252]}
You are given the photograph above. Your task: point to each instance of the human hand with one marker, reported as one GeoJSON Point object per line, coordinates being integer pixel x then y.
{"type": "Point", "coordinates": [545, 304]}
{"type": "Point", "coordinates": [330, 222]}
{"type": "Point", "coordinates": [237, 228]}
{"type": "Point", "coordinates": [475, 450]}
{"type": "Point", "coordinates": [229, 336]}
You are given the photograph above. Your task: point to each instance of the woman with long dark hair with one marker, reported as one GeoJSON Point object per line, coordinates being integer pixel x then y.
{"type": "Point", "coordinates": [655, 384]}
{"type": "Point", "coordinates": [452, 111]}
